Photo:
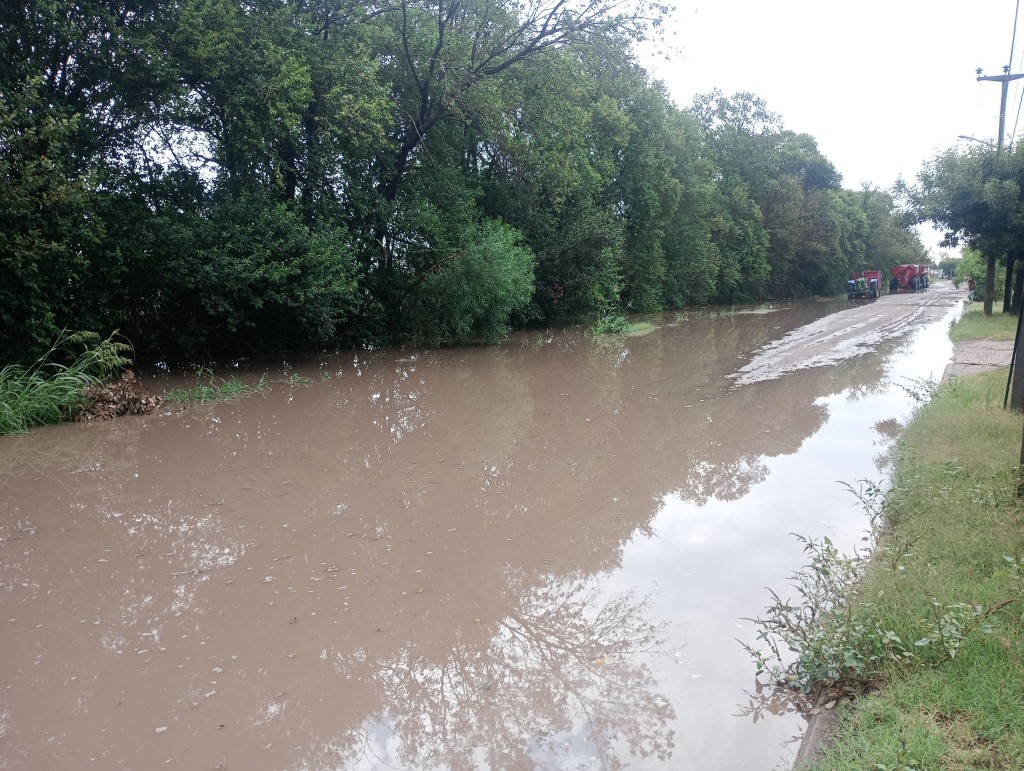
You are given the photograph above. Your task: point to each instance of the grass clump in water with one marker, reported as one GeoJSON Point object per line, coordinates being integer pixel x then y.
{"type": "Point", "coordinates": [210, 388]}
{"type": "Point", "coordinates": [616, 324]}
{"type": "Point", "coordinates": [51, 389]}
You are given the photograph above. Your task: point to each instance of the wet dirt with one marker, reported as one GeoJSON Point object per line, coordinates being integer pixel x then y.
{"type": "Point", "coordinates": [531, 556]}
{"type": "Point", "coordinates": [858, 329]}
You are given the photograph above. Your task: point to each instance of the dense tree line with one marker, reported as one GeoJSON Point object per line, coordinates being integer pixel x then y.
{"type": "Point", "coordinates": [219, 176]}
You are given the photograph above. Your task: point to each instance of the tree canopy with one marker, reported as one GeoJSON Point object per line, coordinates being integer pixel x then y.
{"type": "Point", "coordinates": [216, 177]}
{"type": "Point", "coordinates": [975, 197]}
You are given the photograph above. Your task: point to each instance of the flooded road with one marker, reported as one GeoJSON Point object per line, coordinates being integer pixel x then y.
{"type": "Point", "coordinates": [532, 556]}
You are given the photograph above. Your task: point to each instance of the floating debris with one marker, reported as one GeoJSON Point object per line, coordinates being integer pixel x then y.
{"type": "Point", "coordinates": [124, 396]}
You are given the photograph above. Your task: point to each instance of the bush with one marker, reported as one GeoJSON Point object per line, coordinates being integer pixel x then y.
{"type": "Point", "coordinates": [473, 293]}
{"type": "Point", "coordinates": [611, 323]}
{"type": "Point", "coordinates": [840, 645]}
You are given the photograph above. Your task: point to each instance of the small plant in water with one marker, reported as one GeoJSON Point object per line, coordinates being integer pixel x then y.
{"type": "Point", "coordinates": [209, 388]}
{"type": "Point", "coordinates": [872, 499]}
{"type": "Point", "coordinates": [610, 323]}
{"type": "Point", "coordinates": [920, 389]}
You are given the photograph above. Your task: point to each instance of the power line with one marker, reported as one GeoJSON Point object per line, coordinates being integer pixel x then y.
{"type": "Point", "coordinates": [1018, 91]}
{"type": "Point", "coordinates": [1018, 95]}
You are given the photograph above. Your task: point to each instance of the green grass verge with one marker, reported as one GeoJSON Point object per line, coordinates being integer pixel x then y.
{"type": "Point", "coordinates": [975, 325]}
{"type": "Point", "coordinates": [951, 560]}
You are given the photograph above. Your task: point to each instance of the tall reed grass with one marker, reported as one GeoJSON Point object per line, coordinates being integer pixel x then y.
{"type": "Point", "coordinates": [50, 389]}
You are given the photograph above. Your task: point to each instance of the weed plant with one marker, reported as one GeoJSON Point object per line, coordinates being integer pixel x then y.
{"type": "Point", "coordinates": [841, 646]}
{"type": "Point", "coordinates": [51, 389]}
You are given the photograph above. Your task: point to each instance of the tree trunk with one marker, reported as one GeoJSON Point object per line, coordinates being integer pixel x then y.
{"type": "Point", "coordinates": [1018, 290]}
{"type": "Point", "coordinates": [990, 283]}
{"type": "Point", "coordinates": [1008, 283]}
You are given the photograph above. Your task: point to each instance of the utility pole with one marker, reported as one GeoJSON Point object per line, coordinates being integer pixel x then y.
{"type": "Point", "coordinates": [1017, 391]}
{"type": "Point", "coordinates": [1004, 79]}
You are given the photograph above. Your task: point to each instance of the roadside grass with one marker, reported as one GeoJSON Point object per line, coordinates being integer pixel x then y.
{"type": "Point", "coordinates": [948, 578]}
{"type": "Point", "coordinates": [975, 325]}
{"type": "Point", "coordinates": [51, 389]}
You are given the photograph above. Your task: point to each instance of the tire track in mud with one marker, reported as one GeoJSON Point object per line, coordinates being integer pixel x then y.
{"type": "Point", "coordinates": [846, 334]}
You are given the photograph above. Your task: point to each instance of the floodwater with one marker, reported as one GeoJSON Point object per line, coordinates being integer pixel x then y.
{"type": "Point", "coordinates": [538, 555]}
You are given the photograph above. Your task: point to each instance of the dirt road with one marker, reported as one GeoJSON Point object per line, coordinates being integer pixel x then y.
{"type": "Point", "coordinates": [852, 332]}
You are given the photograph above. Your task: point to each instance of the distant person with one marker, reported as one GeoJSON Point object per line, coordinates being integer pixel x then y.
{"type": "Point", "coordinates": [970, 289]}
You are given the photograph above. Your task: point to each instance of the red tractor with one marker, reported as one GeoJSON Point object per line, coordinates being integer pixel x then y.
{"type": "Point", "coordinates": [867, 283]}
{"type": "Point", "coordinates": [909, 278]}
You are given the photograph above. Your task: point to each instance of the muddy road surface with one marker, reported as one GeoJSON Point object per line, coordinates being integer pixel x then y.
{"type": "Point", "coordinates": [840, 336]}
{"type": "Point", "coordinates": [539, 555]}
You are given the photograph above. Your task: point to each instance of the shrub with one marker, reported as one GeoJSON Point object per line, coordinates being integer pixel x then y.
{"type": "Point", "coordinates": [610, 323]}
{"type": "Point", "coordinates": [49, 391]}
{"type": "Point", "coordinates": [473, 293]}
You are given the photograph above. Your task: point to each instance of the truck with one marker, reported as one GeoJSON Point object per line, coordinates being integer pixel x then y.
{"type": "Point", "coordinates": [866, 284]}
{"type": "Point", "coordinates": [909, 278]}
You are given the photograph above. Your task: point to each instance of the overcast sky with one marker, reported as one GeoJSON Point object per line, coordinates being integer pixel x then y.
{"type": "Point", "coordinates": [881, 85]}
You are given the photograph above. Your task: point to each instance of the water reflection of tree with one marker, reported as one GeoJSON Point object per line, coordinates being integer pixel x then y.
{"type": "Point", "coordinates": [559, 681]}
{"type": "Point", "coordinates": [724, 481]}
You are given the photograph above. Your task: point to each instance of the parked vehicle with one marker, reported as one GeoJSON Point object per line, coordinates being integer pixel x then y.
{"type": "Point", "coordinates": [866, 284]}
{"type": "Point", "coordinates": [909, 278]}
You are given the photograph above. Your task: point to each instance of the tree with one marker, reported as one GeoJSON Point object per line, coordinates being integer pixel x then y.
{"type": "Point", "coordinates": [44, 225]}
{"type": "Point", "coordinates": [975, 196]}
{"type": "Point", "coordinates": [889, 239]}
{"type": "Point", "coordinates": [817, 233]}
{"type": "Point", "coordinates": [282, 174]}
{"type": "Point", "coordinates": [450, 62]}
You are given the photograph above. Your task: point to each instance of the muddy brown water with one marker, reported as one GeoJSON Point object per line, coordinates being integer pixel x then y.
{"type": "Point", "coordinates": [538, 555]}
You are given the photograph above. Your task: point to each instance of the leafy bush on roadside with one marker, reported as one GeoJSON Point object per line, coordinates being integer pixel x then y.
{"type": "Point", "coordinates": [838, 644]}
